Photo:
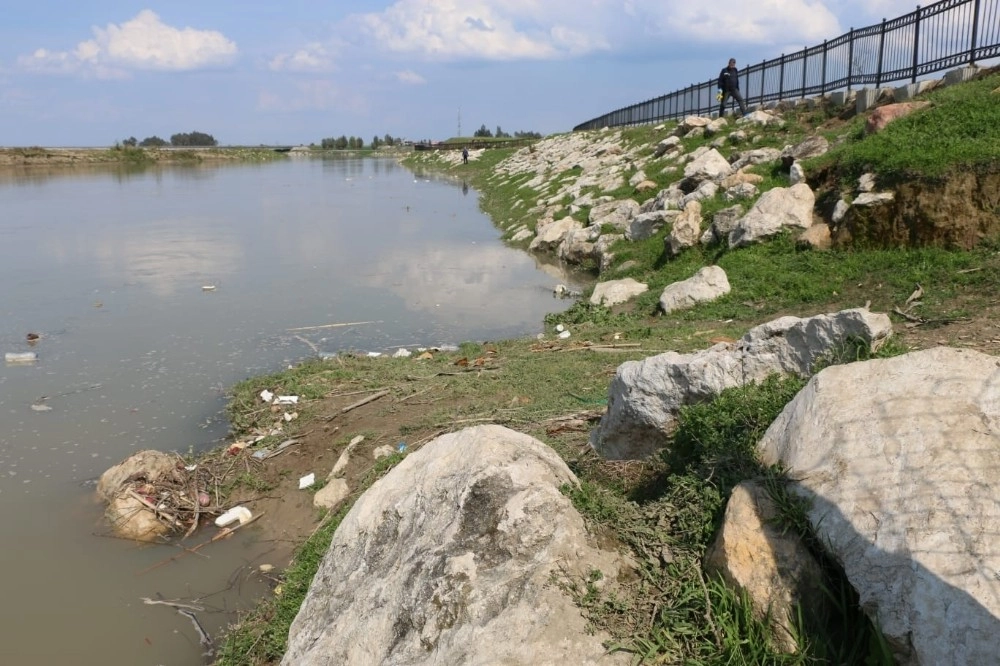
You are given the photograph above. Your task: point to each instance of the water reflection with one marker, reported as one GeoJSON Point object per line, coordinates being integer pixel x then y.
{"type": "Point", "coordinates": [108, 264]}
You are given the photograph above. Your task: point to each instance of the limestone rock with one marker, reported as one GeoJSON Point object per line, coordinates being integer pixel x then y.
{"type": "Point", "coordinates": [866, 183]}
{"type": "Point", "coordinates": [839, 211]}
{"type": "Point", "coordinates": [884, 115]}
{"type": "Point", "coordinates": [602, 249]}
{"type": "Point", "coordinates": [645, 396]}
{"type": "Point", "coordinates": [873, 198]}
{"type": "Point", "coordinates": [578, 246]}
{"type": "Point", "coordinates": [647, 225]}
{"type": "Point", "coordinates": [776, 210]}
{"type": "Point", "coordinates": [769, 564]}
{"type": "Point", "coordinates": [705, 190]}
{"type": "Point", "coordinates": [813, 146]}
{"type": "Point", "coordinates": [686, 230]}
{"type": "Point", "coordinates": [645, 186]}
{"type": "Point", "coordinates": [708, 284]}
{"type": "Point", "coordinates": [761, 118]}
{"type": "Point", "coordinates": [614, 292]}
{"type": "Point", "coordinates": [548, 237]}
{"type": "Point", "coordinates": [741, 177]}
{"type": "Point", "coordinates": [723, 222]}
{"type": "Point", "coordinates": [709, 166]}
{"type": "Point", "coordinates": [450, 558]}
{"type": "Point", "coordinates": [741, 192]}
{"type": "Point", "coordinates": [796, 174]}
{"type": "Point", "coordinates": [332, 494]}
{"type": "Point", "coordinates": [522, 235]}
{"type": "Point", "coordinates": [816, 237]}
{"type": "Point", "coordinates": [757, 156]}
{"type": "Point", "coordinates": [637, 178]}
{"type": "Point", "coordinates": [614, 213]}
{"type": "Point", "coordinates": [902, 478]}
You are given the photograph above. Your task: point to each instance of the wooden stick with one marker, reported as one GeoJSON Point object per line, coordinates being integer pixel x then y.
{"type": "Point", "coordinates": [226, 531]}
{"type": "Point", "coordinates": [156, 512]}
{"type": "Point", "coordinates": [172, 604]}
{"type": "Point", "coordinates": [365, 401]}
{"type": "Point", "coordinates": [318, 328]}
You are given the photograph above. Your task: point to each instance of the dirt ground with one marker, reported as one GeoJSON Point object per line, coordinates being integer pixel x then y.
{"type": "Point", "coordinates": [290, 515]}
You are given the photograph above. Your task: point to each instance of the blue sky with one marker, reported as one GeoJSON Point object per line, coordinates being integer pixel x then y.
{"type": "Point", "coordinates": [248, 72]}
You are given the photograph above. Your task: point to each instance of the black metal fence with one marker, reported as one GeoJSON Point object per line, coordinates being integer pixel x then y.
{"type": "Point", "coordinates": [946, 34]}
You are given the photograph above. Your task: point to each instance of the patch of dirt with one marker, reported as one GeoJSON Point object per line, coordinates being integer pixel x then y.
{"type": "Point", "coordinates": [290, 516]}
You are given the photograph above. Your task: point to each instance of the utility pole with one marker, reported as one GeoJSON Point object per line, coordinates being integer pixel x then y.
{"type": "Point", "coordinates": [459, 121]}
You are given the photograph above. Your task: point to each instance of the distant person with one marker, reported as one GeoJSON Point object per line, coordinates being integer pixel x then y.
{"type": "Point", "coordinates": [729, 86]}
{"type": "Point", "coordinates": [465, 155]}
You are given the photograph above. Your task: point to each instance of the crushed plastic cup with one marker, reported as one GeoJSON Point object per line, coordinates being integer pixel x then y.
{"type": "Point", "coordinates": [20, 357]}
{"type": "Point", "coordinates": [237, 513]}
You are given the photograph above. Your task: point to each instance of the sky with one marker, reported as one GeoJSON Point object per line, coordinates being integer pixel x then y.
{"type": "Point", "coordinates": [248, 72]}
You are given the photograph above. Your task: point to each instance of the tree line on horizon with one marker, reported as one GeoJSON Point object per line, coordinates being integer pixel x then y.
{"type": "Point", "coordinates": [484, 133]}
{"type": "Point", "coordinates": [180, 139]}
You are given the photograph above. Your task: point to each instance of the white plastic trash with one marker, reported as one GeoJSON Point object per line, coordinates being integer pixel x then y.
{"type": "Point", "coordinates": [266, 396]}
{"type": "Point", "coordinates": [20, 357]}
{"type": "Point", "coordinates": [564, 334]}
{"type": "Point", "coordinates": [237, 513]}
{"type": "Point", "coordinates": [286, 400]}
{"type": "Point", "coordinates": [307, 481]}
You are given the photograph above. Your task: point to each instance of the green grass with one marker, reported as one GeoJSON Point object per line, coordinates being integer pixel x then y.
{"type": "Point", "coordinates": [960, 131]}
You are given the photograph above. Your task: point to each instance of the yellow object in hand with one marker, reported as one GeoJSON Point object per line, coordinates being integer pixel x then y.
{"type": "Point", "coordinates": [718, 96]}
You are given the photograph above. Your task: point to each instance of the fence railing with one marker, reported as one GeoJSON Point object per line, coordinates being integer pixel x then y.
{"type": "Point", "coordinates": [933, 38]}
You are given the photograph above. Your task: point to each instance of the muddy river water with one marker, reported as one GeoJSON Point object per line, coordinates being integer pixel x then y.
{"type": "Point", "coordinates": [109, 267]}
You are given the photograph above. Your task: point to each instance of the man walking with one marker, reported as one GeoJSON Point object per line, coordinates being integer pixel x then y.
{"type": "Point", "coordinates": [729, 86]}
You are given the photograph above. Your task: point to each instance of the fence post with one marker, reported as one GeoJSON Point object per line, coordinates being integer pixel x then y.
{"type": "Point", "coordinates": [850, 59]}
{"type": "Point", "coordinates": [916, 46]}
{"type": "Point", "coordinates": [781, 79]}
{"type": "Point", "coordinates": [881, 48]}
{"type": "Point", "coordinates": [805, 63]}
{"type": "Point", "coordinates": [763, 70]}
{"type": "Point", "coordinates": [822, 85]}
{"type": "Point", "coordinates": [975, 33]}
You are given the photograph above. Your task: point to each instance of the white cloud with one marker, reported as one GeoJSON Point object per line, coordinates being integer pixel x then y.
{"type": "Point", "coordinates": [144, 43]}
{"type": "Point", "coordinates": [410, 77]}
{"type": "Point", "coordinates": [487, 29]}
{"type": "Point", "coordinates": [533, 29]}
{"type": "Point", "coordinates": [312, 57]}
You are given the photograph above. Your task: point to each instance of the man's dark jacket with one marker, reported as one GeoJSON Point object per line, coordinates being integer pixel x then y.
{"type": "Point", "coordinates": [729, 79]}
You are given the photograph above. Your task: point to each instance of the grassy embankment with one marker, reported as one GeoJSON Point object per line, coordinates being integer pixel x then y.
{"type": "Point", "coordinates": [674, 612]}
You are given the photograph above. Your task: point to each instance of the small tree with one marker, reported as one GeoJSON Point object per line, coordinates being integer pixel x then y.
{"type": "Point", "coordinates": [388, 140]}
{"type": "Point", "coordinates": [152, 142]}
{"type": "Point", "coordinates": [130, 142]}
{"type": "Point", "coordinates": [375, 142]}
{"type": "Point", "coordinates": [483, 132]}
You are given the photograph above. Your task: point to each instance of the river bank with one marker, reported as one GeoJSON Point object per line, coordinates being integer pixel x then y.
{"type": "Point", "coordinates": [555, 388]}
{"type": "Point", "coordinates": [68, 157]}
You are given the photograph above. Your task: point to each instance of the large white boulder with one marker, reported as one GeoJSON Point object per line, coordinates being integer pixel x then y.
{"type": "Point", "coordinates": [777, 209]}
{"type": "Point", "coordinates": [645, 396]}
{"type": "Point", "coordinates": [550, 236]}
{"type": "Point", "coordinates": [708, 284]}
{"type": "Point", "coordinates": [450, 559]}
{"type": "Point", "coordinates": [900, 458]}
{"type": "Point", "coordinates": [709, 166]}
{"type": "Point", "coordinates": [614, 292]}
